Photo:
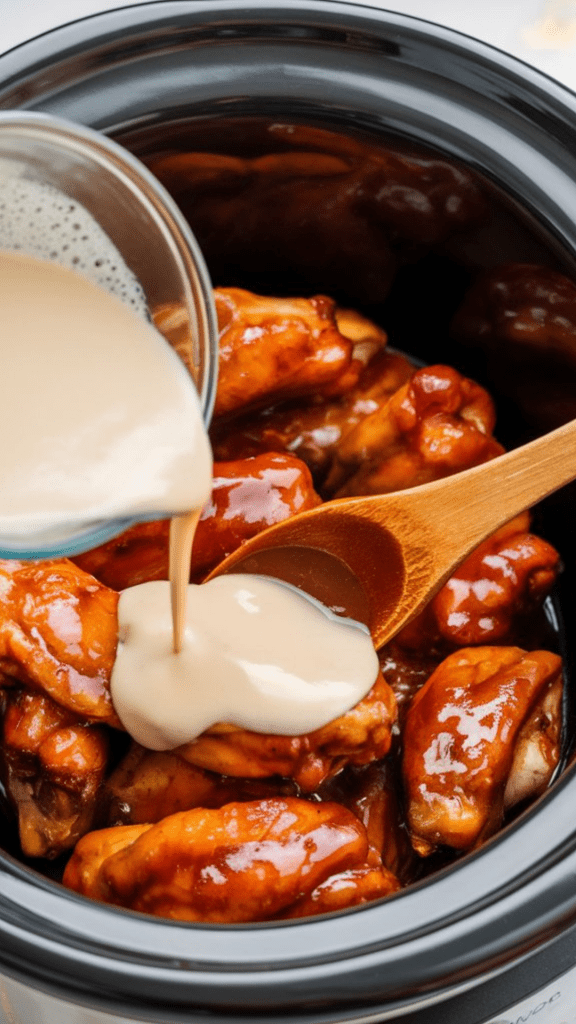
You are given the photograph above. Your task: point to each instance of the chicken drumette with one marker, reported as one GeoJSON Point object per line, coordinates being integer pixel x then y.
{"type": "Point", "coordinates": [482, 733]}
{"type": "Point", "coordinates": [243, 862]}
{"type": "Point", "coordinates": [323, 212]}
{"type": "Point", "coordinates": [436, 424]}
{"type": "Point", "coordinates": [53, 766]}
{"type": "Point", "coordinates": [490, 595]}
{"type": "Point", "coordinates": [523, 319]}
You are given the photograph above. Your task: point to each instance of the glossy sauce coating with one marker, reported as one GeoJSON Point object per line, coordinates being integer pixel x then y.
{"type": "Point", "coordinates": [246, 862]}
{"type": "Point", "coordinates": [459, 739]}
{"type": "Point", "coordinates": [54, 765]}
{"type": "Point", "coordinates": [247, 496]}
{"type": "Point", "coordinates": [523, 318]}
{"type": "Point", "coordinates": [254, 370]}
{"type": "Point", "coordinates": [58, 634]}
{"type": "Point", "coordinates": [434, 425]}
{"type": "Point", "coordinates": [346, 214]}
{"type": "Point", "coordinates": [491, 595]}
{"type": "Point", "coordinates": [314, 430]}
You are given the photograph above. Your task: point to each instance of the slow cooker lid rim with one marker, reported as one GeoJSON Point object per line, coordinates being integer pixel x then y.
{"type": "Point", "coordinates": [297, 988]}
{"type": "Point", "coordinates": [553, 878]}
{"type": "Point", "coordinates": [562, 117]}
{"type": "Point", "coordinates": [137, 17]}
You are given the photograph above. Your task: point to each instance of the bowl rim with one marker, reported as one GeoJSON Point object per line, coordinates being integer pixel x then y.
{"type": "Point", "coordinates": [134, 178]}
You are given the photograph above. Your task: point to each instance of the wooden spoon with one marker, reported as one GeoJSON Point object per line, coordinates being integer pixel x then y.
{"type": "Point", "coordinates": [380, 559]}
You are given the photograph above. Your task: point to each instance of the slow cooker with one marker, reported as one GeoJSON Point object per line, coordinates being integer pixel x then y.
{"type": "Point", "coordinates": [492, 937]}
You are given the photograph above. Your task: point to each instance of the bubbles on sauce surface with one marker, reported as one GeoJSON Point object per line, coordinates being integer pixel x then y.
{"type": "Point", "coordinates": [39, 220]}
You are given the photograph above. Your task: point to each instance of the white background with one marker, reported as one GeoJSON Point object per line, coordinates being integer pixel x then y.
{"type": "Point", "coordinates": [541, 32]}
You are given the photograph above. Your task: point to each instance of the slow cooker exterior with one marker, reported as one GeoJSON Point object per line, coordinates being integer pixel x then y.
{"type": "Point", "coordinates": [494, 937]}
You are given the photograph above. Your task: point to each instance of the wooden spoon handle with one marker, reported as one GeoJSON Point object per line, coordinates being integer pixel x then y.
{"type": "Point", "coordinates": [403, 546]}
{"type": "Point", "coordinates": [470, 505]}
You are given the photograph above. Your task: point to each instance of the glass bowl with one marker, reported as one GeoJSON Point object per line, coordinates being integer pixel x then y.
{"type": "Point", "coordinates": [139, 247]}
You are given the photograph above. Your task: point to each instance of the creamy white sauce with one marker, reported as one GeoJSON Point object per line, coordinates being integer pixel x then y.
{"type": "Point", "coordinates": [256, 653]}
{"type": "Point", "coordinates": [98, 415]}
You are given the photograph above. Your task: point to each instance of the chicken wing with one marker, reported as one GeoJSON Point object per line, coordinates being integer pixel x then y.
{"type": "Point", "coordinates": [58, 635]}
{"type": "Point", "coordinates": [58, 632]}
{"type": "Point", "coordinates": [314, 430]}
{"type": "Point", "coordinates": [537, 750]}
{"type": "Point", "coordinates": [359, 736]}
{"type": "Point", "coordinates": [523, 318]}
{"type": "Point", "coordinates": [53, 767]}
{"type": "Point", "coordinates": [336, 212]}
{"type": "Point", "coordinates": [272, 349]}
{"type": "Point", "coordinates": [148, 785]}
{"type": "Point", "coordinates": [436, 424]}
{"type": "Point", "coordinates": [427, 198]}
{"type": "Point", "coordinates": [284, 217]}
{"type": "Point", "coordinates": [521, 304]}
{"type": "Point", "coordinates": [346, 889]}
{"type": "Point", "coordinates": [490, 594]}
{"type": "Point", "coordinates": [462, 734]}
{"type": "Point", "coordinates": [242, 862]}
{"type": "Point", "coordinates": [247, 496]}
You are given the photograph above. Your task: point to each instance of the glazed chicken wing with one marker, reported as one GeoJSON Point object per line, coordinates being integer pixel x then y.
{"type": "Point", "coordinates": [326, 214]}
{"type": "Point", "coordinates": [346, 889]}
{"type": "Point", "coordinates": [289, 216]}
{"type": "Point", "coordinates": [314, 430]}
{"type": "Point", "coordinates": [436, 424]}
{"type": "Point", "coordinates": [53, 767]}
{"type": "Point", "coordinates": [521, 304]}
{"type": "Point", "coordinates": [148, 785]}
{"type": "Point", "coordinates": [58, 635]}
{"type": "Point", "coordinates": [494, 589]}
{"type": "Point", "coordinates": [426, 198]}
{"type": "Point", "coordinates": [505, 578]}
{"type": "Point", "coordinates": [243, 862]}
{"type": "Point", "coordinates": [484, 716]}
{"type": "Point", "coordinates": [272, 349]}
{"type": "Point", "coordinates": [359, 736]}
{"type": "Point", "coordinates": [523, 318]}
{"type": "Point", "coordinates": [247, 496]}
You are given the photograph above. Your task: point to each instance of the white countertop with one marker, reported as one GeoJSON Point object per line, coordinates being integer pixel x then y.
{"type": "Point", "coordinates": [541, 32]}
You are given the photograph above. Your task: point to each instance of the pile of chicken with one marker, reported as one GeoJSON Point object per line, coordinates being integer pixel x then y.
{"type": "Point", "coordinates": [462, 723]}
